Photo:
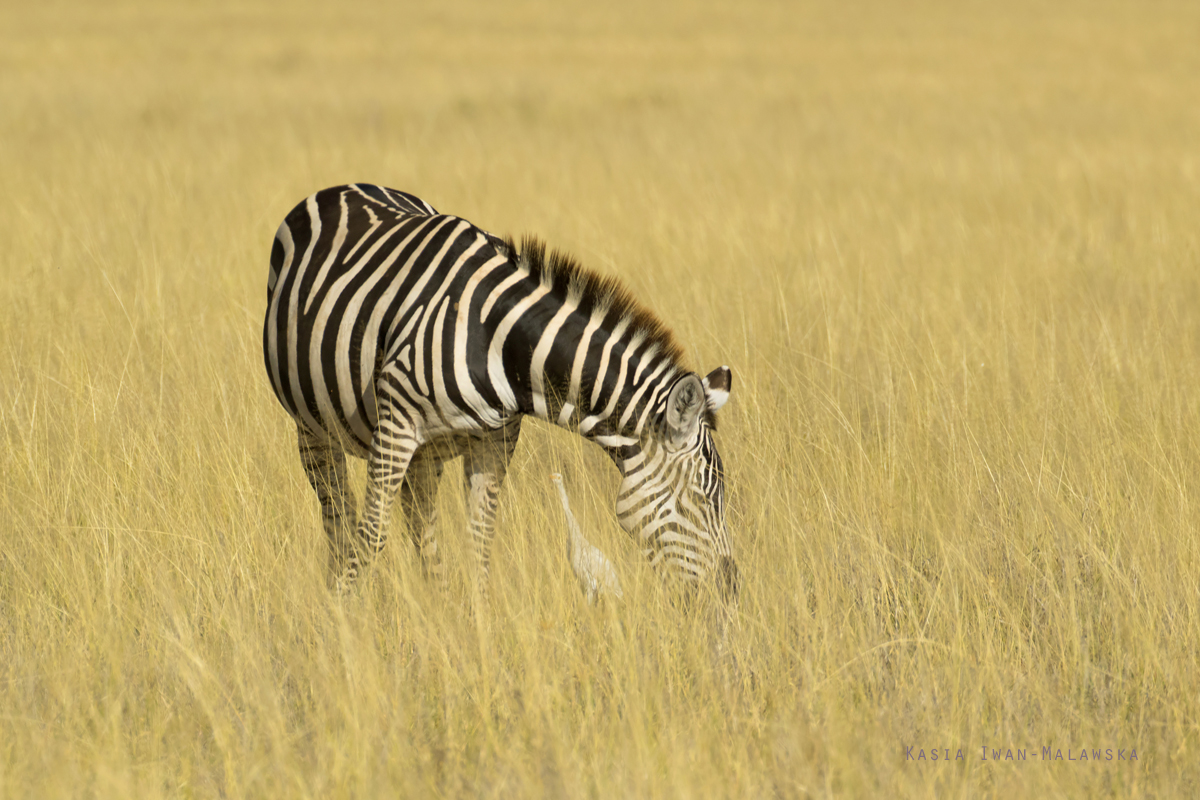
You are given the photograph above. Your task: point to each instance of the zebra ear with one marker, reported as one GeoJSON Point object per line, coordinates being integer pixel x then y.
{"type": "Point", "coordinates": [717, 386]}
{"type": "Point", "coordinates": [684, 405]}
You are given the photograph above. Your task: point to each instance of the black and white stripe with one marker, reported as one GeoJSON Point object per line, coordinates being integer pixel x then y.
{"type": "Point", "coordinates": [409, 337]}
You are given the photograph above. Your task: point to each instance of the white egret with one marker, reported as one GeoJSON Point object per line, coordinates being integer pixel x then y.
{"type": "Point", "coordinates": [592, 568]}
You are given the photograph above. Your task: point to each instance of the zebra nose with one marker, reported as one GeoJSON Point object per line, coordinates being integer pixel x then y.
{"type": "Point", "coordinates": [727, 578]}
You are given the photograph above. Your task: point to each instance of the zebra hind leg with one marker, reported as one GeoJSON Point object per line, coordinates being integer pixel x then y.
{"type": "Point", "coordinates": [418, 499]}
{"type": "Point", "coordinates": [325, 466]}
{"type": "Point", "coordinates": [392, 448]}
{"type": "Point", "coordinates": [485, 463]}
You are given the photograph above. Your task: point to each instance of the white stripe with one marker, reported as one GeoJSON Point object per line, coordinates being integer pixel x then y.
{"type": "Point", "coordinates": [414, 294]}
{"type": "Point", "coordinates": [399, 390]}
{"type": "Point", "coordinates": [615, 440]}
{"type": "Point", "coordinates": [462, 375]}
{"type": "Point", "coordinates": [370, 334]}
{"type": "Point", "coordinates": [625, 508]}
{"type": "Point", "coordinates": [496, 350]}
{"type": "Point", "coordinates": [577, 366]}
{"type": "Point", "coordinates": [284, 236]}
{"type": "Point", "coordinates": [653, 401]}
{"type": "Point", "coordinates": [634, 460]}
{"type": "Point", "coordinates": [375, 223]}
{"type": "Point", "coordinates": [638, 339]}
{"type": "Point", "coordinates": [676, 557]}
{"type": "Point", "coordinates": [537, 366]}
{"type": "Point", "coordinates": [439, 378]}
{"type": "Point", "coordinates": [316, 370]}
{"type": "Point", "coordinates": [611, 406]}
{"type": "Point", "coordinates": [434, 300]}
{"type": "Point", "coordinates": [338, 240]}
{"type": "Point", "coordinates": [613, 338]}
{"type": "Point", "coordinates": [294, 321]}
{"type": "Point", "coordinates": [633, 401]}
{"type": "Point", "coordinates": [381, 308]}
{"type": "Point", "coordinates": [494, 295]}
{"type": "Point", "coordinates": [399, 339]}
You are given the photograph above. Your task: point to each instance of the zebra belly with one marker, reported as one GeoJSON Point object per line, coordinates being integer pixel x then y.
{"type": "Point", "coordinates": [433, 411]}
{"type": "Point", "coordinates": [341, 436]}
{"type": "Point", "coordinates": [354, 435]}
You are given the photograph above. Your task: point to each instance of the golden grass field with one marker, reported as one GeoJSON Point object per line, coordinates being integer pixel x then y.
{"type": "Point", "coordinates": [950, 252]}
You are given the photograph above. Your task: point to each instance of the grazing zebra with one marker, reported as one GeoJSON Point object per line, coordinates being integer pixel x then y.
{"type": "Point", "coordinates": [408, 337]}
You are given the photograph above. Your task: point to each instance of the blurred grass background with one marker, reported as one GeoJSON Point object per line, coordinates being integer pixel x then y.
{"type": "Point", "coordinates": [949, 250]}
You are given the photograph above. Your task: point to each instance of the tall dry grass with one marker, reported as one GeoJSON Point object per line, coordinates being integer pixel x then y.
{"type": "Point", "coordinates": [950, 254]}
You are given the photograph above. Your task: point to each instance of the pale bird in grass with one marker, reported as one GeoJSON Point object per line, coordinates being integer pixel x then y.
{"type": "Point", "coordinates": [593, 570]}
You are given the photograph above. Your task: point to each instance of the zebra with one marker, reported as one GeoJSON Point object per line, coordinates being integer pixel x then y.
{"type": "Point", "coordinates": [407, 337]}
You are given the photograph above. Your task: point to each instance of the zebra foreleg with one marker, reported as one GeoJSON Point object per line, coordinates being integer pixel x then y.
{"type": "Point", "coordinates": [418, 499]}
{"type": "Point", "coordinates": [485, 463]}
{"type": "Point", "coordinates": [325, 467]}
{"type": "Point", "coordinates": [392, 448]}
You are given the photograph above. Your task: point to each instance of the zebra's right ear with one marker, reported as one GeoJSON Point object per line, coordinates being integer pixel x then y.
{"type": "Point", "coordinates": [717, 386]}
{"type": "Point", "coordinates": [684, 404]}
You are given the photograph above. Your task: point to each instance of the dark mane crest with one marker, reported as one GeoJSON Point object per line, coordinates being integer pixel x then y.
{"type": "Point", "coordinates": [561, 271]}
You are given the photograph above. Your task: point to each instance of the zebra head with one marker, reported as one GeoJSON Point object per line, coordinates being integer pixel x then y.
{"type": "Point", "coordinates": [673, 493]}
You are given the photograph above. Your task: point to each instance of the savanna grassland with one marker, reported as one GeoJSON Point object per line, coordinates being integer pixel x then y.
{"type": "Point", "coordinates": [950, 252]}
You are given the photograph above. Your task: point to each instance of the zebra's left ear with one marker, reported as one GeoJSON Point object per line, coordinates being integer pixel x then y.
{"type": "Point", "coordinates": [684, 404]}
{"type": "Point", "coordinates": [717, 386]}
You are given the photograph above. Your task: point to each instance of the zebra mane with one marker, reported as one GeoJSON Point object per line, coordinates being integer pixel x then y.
{"type": "Point", "coordinates": [561, 272]}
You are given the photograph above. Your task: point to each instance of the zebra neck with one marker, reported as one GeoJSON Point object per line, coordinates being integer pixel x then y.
{"type": "Point", "coordinates": [599, 380]}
